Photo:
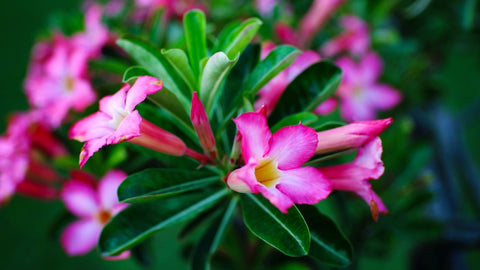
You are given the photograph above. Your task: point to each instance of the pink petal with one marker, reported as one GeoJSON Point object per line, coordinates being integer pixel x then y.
{"type": "Point", "coordinates": [243, 179]}
{"type": "Point", "coordinates": [143, 86]}
{"type": "Point", "coordinates": [305, 185]}
{"type": "Point", "coordinates": [89, 148]}
{"type": "Point", "coordinates": [326, 107]}
{"type": "Point", "coordinates": [83, 95]}
{"type": "Point", "coordinates": [369, 156]}
{"type": "Point", "coordinates": [255, 135]}
{"type": "Point", "coordinates": [112, 104]}
{"type": "Point", "coordinates": [81, 236]}
{"type": "Point", "coordinates": [354, 110]}
{"type": "Point", "coordinates": [292, 146]}
{"type": "Point", "coordinates": [124, 255]}
{"type": "Point", "coordinates": [91, 127]}
{"type": "Point", "coordinates": [286, 34]}
{"type": "Point", "coordinates": [276, 197]}
{"type": "Point", "coordinates": [383, 96]}
{"type": "Point", "coordinates": [302, 62]}
{"type": "Point", "coordinates": [371, 67]}
{"type": "Point", "coordinates": [107, 188]}
{"type": "Point", "coordinates": [80, 198]}
{"type": "Point", "coordinates": [128, 128]}
{"type": "Point", "coordinates": [201, 124]}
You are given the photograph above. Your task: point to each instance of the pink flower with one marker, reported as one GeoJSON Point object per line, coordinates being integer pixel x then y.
{"type": "Point", "coordinates": [117, 121]}
{"type": "Point", "coordinates": [355, 39]}
{"type": "Point", "coordinates": [202, 127]}
{"type": "Point", "coordinates": [57, 80]}
{"type": "Point", "coordinates": [94, 207]}
{"type": "Point", "coordinates": [95, 35]}
{"type": "Point", "coordinates": [359, 92]}
{"type": "Point", "coordinates": [326, 107]}
{"type": "Point", "coordinates": [353, 135]}
{"type": "Point", "coordinates": [14, 152]}
{"type": "Point", "coordinates": [273, 163]}
{"type": "Point", "coordinates": [287, 34]}
{"type": "Point", "coordinates": [271, 93]}
{"type": "Point", "coordinates": [265, 7]}
{"type": "Point", "coordinates": [354, 176]}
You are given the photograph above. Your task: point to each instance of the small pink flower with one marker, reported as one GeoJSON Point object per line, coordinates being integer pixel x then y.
{"type": "Point", "coordinates": [94, 207]}
{"type": "Point", "coordinates": [202, 127]}
{"type": "Point", "coordinates": [273, 163]}
{"type": "Point", "coordinates": [95, 35]}
{"type": "Point", "coordinates": [354, 176]}
{"type": "Point", "coordinates": [361, 96]}
{"type": "Point", "coordinates": [353, 135]}
{"type": "Point", "coordinates": [355, 39]}
{"type": "Point", "coordinates": [271, 93]}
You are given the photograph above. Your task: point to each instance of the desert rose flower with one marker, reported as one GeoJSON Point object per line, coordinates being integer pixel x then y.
{"type": "Point", "coordinates": [361, 96]}
{"type": "Point", "coordinates": [94, 207]}
{"type": "Point", "coordinates": [95, 35]}
{"type": "Point", "coordinates": [353, 135]}
{"type": "Point", "coordinates": [355, 39]}
{"type": "Point", "coordinates": [117, 121]}
{"type": "Point", "coordinates": [273, 163]}
{"type": "Point", "coordinates": [202, 127]}
{"type": "Point", "coordinates": [354, 176]}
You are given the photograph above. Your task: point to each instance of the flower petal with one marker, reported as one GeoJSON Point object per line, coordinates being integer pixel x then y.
{"type": "Point", "coordinates": [292, 146]}
{"type": "Point", "coordinates": [145, 85]}
{"type": "Point", "coordinates": [89, 148]}
{"type": "Point", "coordinates": [243, 179]}
{"type": "Point", "coordinates": [111, 104]}
{"type": "Point", "coordinates": [276, 197]}
{"type": "Point", "coordinates": [305, 185]}
{"type": "Point", "coordinates": [383, 96]}
{"type": "Point", "coordinates": [81, 236]}
{"type": "Point", "coordinates": [80, 198]}
{"type": "Point", "coordinates": [107, 188]}
{"type": "Point", "coordinates": [90, 127]}
{"type": "Point", "coordinates": [255, 135]}
{"type": "Point", "coordinates": [128, 128]}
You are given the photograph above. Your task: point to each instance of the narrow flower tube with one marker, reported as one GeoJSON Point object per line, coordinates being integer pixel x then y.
{"type": "Point", "coordinates": [350, 136]}
{"type": "Point", "coordinates": [354, 176]}
{"type": "Point", "coordinates": [202, 127]}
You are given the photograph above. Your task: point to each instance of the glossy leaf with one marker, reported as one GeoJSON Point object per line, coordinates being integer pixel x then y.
{"type": "Point", "coordinates": [194, 24]}
{"type": "Point", "coordinates": [178, 59]}
{"type": "Point", "coordinates": [152, 184]}
{"type": "Point", "coordinates": [329, 244]}
{"type": "Point", "coordinates": [154, 62]}
{"type": "Point", "coordinates": [133, 72]}
{"type": "Point", "coordinates": [214, 73]}
{"type": "Point", "coordinates": [237, 37]}
{"type": "Point", "coordinates": [308, 90]}
{"type": "Point", "coordinates": [276, 61]}
{"type": "Point", "coordinates": [139, 221]}
{"type": "Point", "coordinates": [211, 239]}
{"type": "Point", "coordinates": [306, 118]}
{"type": "Point", "coordinates": [286, 232]}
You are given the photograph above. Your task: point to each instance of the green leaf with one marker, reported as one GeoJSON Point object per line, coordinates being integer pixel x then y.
{"type": "Point", "coordinates": [286, 232]}
{"type": "Point", "coordinates": [155, 63]}
{"type": "Point", "coordinates": [153, 184]}
{"type": "Point", "coordinates": [329, 244]}
{"type": "Point", "coordinates": [194, 24]}
{"type": "Point", "coordinates": [178, 59]}
{"type": "Point", "coordinates": [308, 90]}
{"type": "Point", "coordinates": [211, 239]}
{"type": "Point", "coordinates": [306, 118]}
{"type": "Point", "coordinates": [276, 61]}
{"type": "Point", "coordinates": [237, 37]}
{"type": "Point", "coordinates": [134, 72]}
{"type": "Point", "coordinates": [139, 221]}
{"type": "Point", "coordinates": [214, 73]}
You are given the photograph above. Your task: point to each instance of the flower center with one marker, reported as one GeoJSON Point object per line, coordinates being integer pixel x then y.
{"type": "Point", "coordinates": [68, 83]}
{"type": "Point", "coordinates": [118, 117]}
{"type": "Point", "coordinates": [104, 216]}
{"type": "Point", "coordinates": [267, 173]}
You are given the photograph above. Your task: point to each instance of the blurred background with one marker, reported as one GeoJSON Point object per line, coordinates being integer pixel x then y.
{"type": "Point", "coordinates": [431, 51]}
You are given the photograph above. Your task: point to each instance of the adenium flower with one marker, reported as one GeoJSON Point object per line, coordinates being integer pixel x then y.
{"type": "Point", "coordinates": [94, 207]}
{"type": "Point", "coordinates": [273, 90]}
{"type": "Point", "coordinates": [355, 39]}
{"type": "Point", "coordinates": [95, 35]}
{"type": "Point", "coordinates": [353, 135]}
{"type": "Point", "coordinates": [117, 121]}
{"type": "Point", "coordinates": [354, 176]}
{"type": "Point", "coordinates": [361, 96]}
{"type": "Point", "coordinates": [202, 127]}
{"type": "Point", "coordinates": [273, 163]}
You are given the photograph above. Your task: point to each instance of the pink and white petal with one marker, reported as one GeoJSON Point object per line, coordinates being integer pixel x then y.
{"type": "Point", "coordinates": [276, 197]}
{"type": "Point", "coordinates": [83, 95]}
{"type": "Point", "coordinates": [356, 110]}
{"type": "Point", "coordinates": [383, 96]}
{"type": "Point", "coordinates": [56, 65]}
{"type": "Point", "coordinates": [243, 179]}
{"type": "Point", "coordinates": [128, 128]}
{"type": "Point", "coordinates": [305, 185]}
{"type": "Point", "coordinates": [89, 148]}
{"type": "Point", "coordinates": [110, 105]}
{"type": "Point", "coordinates": [107, 188]}
{"type": "Point", "coordinates": [350, 74]}
{"type": "Point", "coordinates": [80, 198]}
{"type": "Point", "coordinates": [143, 86]}
{"type": "Point", "coordinates": [292, 146]}
{"type": "Point", "coordinates": [255, 135]}
{"type": "Point", "coordinates": [78, 62]}
{"type": "Point", "coordinates": [80, 237]}
{"type": "Point", "coordinates": [91, 127]}
{"type": "Point", "coordinates": [369, 157]}
{"type": "Point", "coordinates": [371, 66]}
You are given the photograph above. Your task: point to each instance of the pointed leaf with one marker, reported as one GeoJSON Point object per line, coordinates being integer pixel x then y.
{"type": "Point", "coordinates": [194, 24]}
{"type": "Point", "coordinates": [214, 74]}
{"type": "Point", "coordinates": [276, 61]}
{"type": "Point", "coordinates": [134, 72]}
{"type": "Point", "coordinates": [329, 244]}
{"type": "Point", "coordinates": [153, 184]}
{"type": "Point", "coordinates": [306, 118]}
{"type": "Point", "coordinates": [285, 232]}
{"type": "Point", "coordinates": [178, 59]}
{"type": "Point", "coordinates": [139, 221]}
{"type": "Point", "coordinates": [211, 239]}
{"type": "Point", "coordinates": [238, 37]}
{"type": "Point", "coordinates": [154, 62]}
{"type": "Point", "coordinates": [308, 90]}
